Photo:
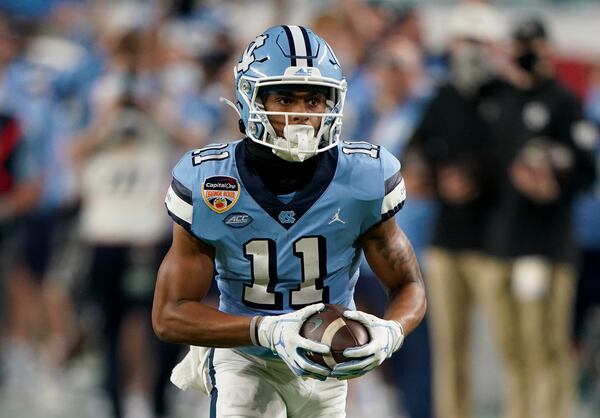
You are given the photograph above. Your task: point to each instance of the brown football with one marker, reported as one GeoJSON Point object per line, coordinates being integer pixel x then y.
{"type": "Point", "coordinates": [330, 327]}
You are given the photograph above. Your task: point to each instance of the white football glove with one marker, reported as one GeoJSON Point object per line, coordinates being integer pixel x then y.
{"type": "Point", "coordinates": [281, 334]}
{"type": "Point", "coordinates": [386, 338]}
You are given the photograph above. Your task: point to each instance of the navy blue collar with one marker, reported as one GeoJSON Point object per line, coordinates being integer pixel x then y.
{"type": "Point", "coordinates": [287, 214]}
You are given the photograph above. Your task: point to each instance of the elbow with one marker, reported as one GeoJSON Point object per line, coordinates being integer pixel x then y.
{"type": "Point", "coordinates": [161, 327]}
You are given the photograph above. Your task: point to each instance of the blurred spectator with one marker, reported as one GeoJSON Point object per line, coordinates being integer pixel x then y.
{"type": "Point", "coordinates": [19, 186]}
{"type": "Point", "coordinates": [19, 192]}
{"type": "Point", "coordinates": [454, 141]}
{"type": "Point", "coordinates": [337, 28]}
{"type": "Point", "coordinates": [405, 21]}
{"type": "Point", "coordinates": [544, 149]}
{"type": "Point", "coordinates": [397, 75]}
{"type": "Point", "coordinates": [42, 325]}
{"type": "Point", "coordinates": [195, 52]}
{"type": "Point", "coordinates": [124, 157]}
{"type": "Point", "coordinates": [396, 72]}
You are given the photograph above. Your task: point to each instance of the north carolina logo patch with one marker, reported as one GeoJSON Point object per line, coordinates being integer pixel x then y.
{"type": "Point", "coordinates": [220, 192]}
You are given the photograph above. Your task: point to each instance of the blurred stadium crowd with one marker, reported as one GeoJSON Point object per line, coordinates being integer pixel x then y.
{"type": "Point", "coordinates": [99, 99]}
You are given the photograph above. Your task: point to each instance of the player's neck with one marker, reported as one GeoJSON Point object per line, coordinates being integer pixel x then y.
{"type": "Point", "coordinates": [278, 175]}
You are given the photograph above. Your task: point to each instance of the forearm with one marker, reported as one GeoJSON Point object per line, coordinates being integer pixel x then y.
{"type": "Point", "coordinates": [178, 312]}
{"type": "Point", "coordinates": [406, 290]}
{"type": "Point", "coordinates": [407, 306]}
{"type": "Point", "coordinates": [392, 258]}
{"type": "Point", "coordinates": [194, 323]}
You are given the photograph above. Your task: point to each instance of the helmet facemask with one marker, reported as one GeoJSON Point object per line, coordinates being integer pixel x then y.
{"type": "Point", "coordinates": [299, 142]}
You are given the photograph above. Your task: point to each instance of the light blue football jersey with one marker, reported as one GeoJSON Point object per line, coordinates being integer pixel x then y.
{"type": "Point", "coordinates": [273, 257]}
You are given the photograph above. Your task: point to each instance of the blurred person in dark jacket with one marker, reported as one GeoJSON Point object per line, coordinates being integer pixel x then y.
{"type": "Point", "coordinates": [544, 149]}
{"type": "Point", "coordinates": [454, 142]}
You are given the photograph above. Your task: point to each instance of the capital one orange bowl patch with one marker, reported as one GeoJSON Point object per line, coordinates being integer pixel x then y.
{"type": "Point", "coordinates": [220, 192]}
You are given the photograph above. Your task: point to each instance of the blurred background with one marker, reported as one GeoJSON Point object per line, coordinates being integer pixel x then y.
{"type": "Point", "coordinates": [495, 102]}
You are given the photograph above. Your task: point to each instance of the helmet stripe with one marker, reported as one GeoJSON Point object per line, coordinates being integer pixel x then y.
{"type": "Point", "coordinates": [300, 46]}
{"type": "Point", "coordinates": [308, 48]}
{"type": "Point", "coordinates": [288, 32]}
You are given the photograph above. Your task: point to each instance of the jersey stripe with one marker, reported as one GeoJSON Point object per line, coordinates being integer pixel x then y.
{"type": "Point", "coordinates": [183, 192]}
{"type": "Point", "coordinates": [392, 182]}
{"type": "Point", "coordinates": [390, 213]}
{"type": "Point", "coordinates": [394, 199]}
{"type": "Point", "coordinates": [290, 37]}
{"type": "Point", "coordinates": [300, 46]}
{"type": "Point", "coordinates": [178, 207]}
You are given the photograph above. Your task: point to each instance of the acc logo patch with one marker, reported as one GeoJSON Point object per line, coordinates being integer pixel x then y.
{"type": "Point", "coordinates": [220, 192]}
{"type": "Point", "coordinates": [238, 220]}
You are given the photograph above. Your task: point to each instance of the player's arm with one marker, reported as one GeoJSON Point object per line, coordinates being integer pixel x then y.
{"type": "Point", "coordinates": [391, 257]}
{"type": "Point", "coordinates": [179, 316]}
{"type": "Point", "coordinates": [178, 313]}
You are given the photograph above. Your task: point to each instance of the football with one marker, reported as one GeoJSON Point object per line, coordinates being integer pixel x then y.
{"type": "Point", "coordinates": [330, 327]}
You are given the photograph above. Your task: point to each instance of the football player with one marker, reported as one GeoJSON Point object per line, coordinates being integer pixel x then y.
{"type": "Point", "coordinates": [281, 218]}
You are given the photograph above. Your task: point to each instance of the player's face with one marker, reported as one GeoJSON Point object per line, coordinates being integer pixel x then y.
{"type": "Point", "coordinates": [297, 102]}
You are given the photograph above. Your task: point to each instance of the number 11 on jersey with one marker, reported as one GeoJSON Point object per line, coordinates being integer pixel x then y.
{"type": "Point", "coordinates": [262, 254]}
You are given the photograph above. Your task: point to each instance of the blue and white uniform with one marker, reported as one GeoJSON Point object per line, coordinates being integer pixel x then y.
{"type": "Point", "coordinates": [277, 254]}
{"type": "Point", "coordinates": [273, 257]}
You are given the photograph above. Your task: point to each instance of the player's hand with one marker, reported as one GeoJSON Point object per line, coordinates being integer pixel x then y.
{"type": "Point", "coordinates": [282, 335]}
{"type": "Point", "coordinates": [386, 338]}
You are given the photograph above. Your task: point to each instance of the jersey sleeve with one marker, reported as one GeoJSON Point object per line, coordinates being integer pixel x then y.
{"type": "Point", "coordinates": [394, 193]}
{"type": "Point", "coordinates": [179, 196]}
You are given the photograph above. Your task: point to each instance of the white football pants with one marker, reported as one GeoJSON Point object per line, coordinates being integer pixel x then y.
{"type": "Point", "coordinates": [245, 386]}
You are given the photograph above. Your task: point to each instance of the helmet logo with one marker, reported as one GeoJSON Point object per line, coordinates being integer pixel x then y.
{"type": "Point", "coordinates": [248, 56]}
{"type": "Point", "coordinates": [304, 71]}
